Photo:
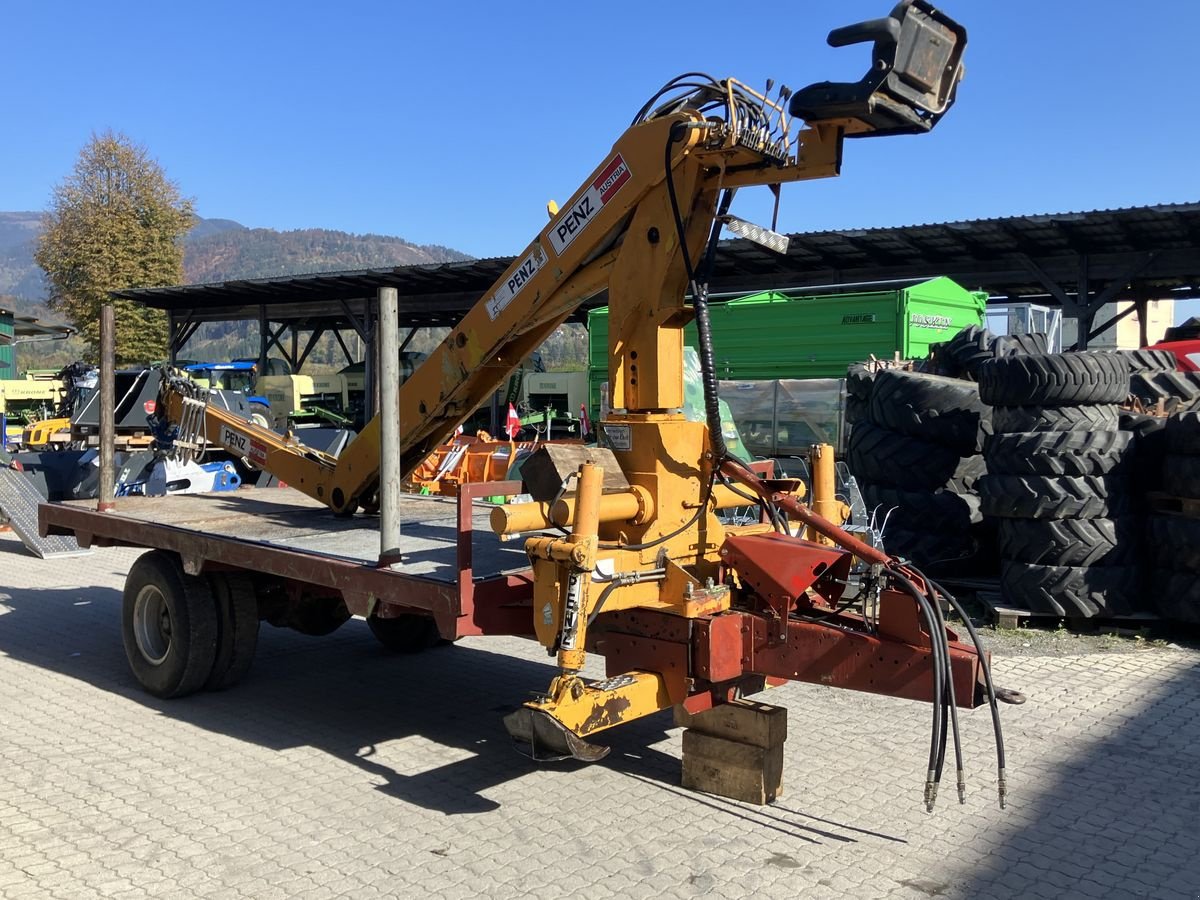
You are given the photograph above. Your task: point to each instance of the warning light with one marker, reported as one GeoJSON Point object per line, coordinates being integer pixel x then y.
{"type": "Point", "coordinates": [150, 406]}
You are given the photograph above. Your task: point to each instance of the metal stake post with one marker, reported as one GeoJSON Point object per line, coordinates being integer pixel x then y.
{"type": "Point", "coordinates": [388, 342]}
{"type": "Point", "coordinates": [107, 400]}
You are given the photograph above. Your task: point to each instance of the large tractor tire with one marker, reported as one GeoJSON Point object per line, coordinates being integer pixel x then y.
{"type": "Point", "coordinates": [1073, 592]}
{"type": "Point", "coordinates": [1069, 542]}
{"type": "Point", "coordinates": [1020, 419]}
{"type": "Point", "coordinates": [1054, 379]}
{"type": "Point", "coordinates": [1183, 433]}
{"type": "Point", "coordinates": [1057, 452]}
{"type": "Point", "coordinates": [930, 407]}
{"type": "Point", "coordinates": [1035, 344]}
{"type": "Point", "coordinates": [1173, 542]}
{"type": "Point", "coordinates": [940, 511]}
{"type": "Point", "coordinates": [1181, 475]}
{"type": "Point", "coordinates": [1052, 497]}
{"type": "Point", "coordinates": [860, 379]}
{"type": "Point", "coordinates": [1176, 595]}
{"type": "Point", "coordinates": [1149, 360]}
{"type": "Point", "coordinates": [168, 625]}
{"type": "Point", "coordinates": [887, 457]}
{"type": "Point", "coordinates": [1180, 391]}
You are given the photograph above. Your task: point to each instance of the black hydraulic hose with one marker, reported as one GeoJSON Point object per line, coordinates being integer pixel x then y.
{"type": "Point", "coordinates": [712, 409]}
{"type": "Point", "coordinates": [938, 686]}
{"type": "Point", "coordinates": [621, 580]}
{"type": "Point", "coordinates": [1002, 784]}
{"type": "Point", "coordinates": [951, 706]}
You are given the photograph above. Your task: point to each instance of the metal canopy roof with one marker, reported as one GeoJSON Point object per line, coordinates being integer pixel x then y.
{"type": "Point", "coordinates": [1154, 248]}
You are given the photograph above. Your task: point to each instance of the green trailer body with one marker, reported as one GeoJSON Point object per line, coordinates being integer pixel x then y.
{"type": "Point", "coordinates": [7, 357]}
{"type": "Point", "coordinates": [776, 335]}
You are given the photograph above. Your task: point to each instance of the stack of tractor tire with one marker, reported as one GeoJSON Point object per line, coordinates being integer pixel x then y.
{"type": "Point", "coordinates": [916, 457]}
{"type": "Point", "coordinates": [1173, 538]}
{"type": "Point", "coordinates": [964, 354]}
{"type": "Point", "coordinates": [1057, 483]}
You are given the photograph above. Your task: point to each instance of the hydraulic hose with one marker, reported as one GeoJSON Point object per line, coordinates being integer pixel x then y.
{"type": "Point", "coordinates": [989, 684]}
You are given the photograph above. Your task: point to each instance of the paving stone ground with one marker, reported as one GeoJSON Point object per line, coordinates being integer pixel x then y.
{"type": "Point", "coordinates": [337, 770]}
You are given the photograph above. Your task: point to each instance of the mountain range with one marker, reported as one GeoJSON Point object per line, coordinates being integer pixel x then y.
{"type": "Point", "coordinates": [221, 250]}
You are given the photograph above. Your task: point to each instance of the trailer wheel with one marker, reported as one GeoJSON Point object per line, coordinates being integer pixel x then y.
{"type": "Point", "coordinates": [237, 628]}
{"type": "Point", "coordinates": [407, 633]}
{"type": "Point", "coordinates": [168, 625]}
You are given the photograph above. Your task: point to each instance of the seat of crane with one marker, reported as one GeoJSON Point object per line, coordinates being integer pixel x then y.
{"type": "Point", "coordinates": [916, 65]}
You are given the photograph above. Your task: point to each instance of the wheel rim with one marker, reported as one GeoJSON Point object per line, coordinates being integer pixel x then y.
{"type": "Point", "coordinates": [152, 625]}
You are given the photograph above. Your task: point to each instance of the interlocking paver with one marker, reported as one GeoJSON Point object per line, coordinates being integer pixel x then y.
{"type": "Point", "coordinates": [336, 770]}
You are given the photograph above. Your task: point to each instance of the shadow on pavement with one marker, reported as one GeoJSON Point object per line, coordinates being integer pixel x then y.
{"type": "Point", "coordinates": [1118, 818]}
{"type": "Point", "coordinates": [342, 693]}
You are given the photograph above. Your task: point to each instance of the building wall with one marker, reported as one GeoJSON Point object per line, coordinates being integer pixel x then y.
{"type": "Point", "coordinates": [1125, 335]}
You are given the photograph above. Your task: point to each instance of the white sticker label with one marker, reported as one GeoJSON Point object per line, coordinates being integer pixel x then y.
{"type": "Point", "coordinates": [516, 282]}
{"type": "Point", "coordinates": [238, 443]}
{"type": "Point", "coordinates": [572, 222]}
{"type": "Point", "coordinates": [620, 437]}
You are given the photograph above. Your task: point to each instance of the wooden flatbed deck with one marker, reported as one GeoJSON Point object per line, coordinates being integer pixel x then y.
{"type": "Point", "coordinates": [287, 519]}
{"type": "Point", "coordinates": [453, 566]}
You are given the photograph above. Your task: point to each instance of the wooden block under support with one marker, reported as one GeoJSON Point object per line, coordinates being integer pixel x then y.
{"type": "Point", "coordinates": [745, 721]}
{"type": "Point", "coordinates": [731, 769]}
{"type": "Point", "coordinates": [735, 750]}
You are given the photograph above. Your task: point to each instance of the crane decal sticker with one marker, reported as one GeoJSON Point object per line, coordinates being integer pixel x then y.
{"type": "Point", "coordinates": [575, 219]}
{"type": "Point", "coordinates": [516, 281]}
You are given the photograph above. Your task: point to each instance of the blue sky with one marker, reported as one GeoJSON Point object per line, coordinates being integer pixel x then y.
{"type": "Point", "coordinates": [454, 123]}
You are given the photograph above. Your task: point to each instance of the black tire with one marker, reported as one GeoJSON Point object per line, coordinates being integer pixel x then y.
{"type": "Point", "coordinates": [1053, 497]}
{"type": "Point", "coordinates": [1173, 542]}
{"type": "Point", "coordinates": [1183, 433]}
{"type": "Point", "coordinates": [1150, 360]}
{"type": "Point", "coordinates": [1019, 419]}
{"type": "Point", "coordinates": [1057, 452]}
{"type": "Point", "coordinates": [1176, 595]}
{"type": "Point", "coordinates": [968, 349]}
{"type": "Point", "coordinates": [1149, 450]}
{"type": "Point", "coordinates": [237, 628]}
{"type": "Point", "coordinates": [931, 407]}
{"type": "Point", "coordinates": [406, 633]}
{"type": "Point", "coordinates": [1054, 379]}
{"type": "Point", "coordinates": [940, 511]}
{"type": "Point", "coordinates": [887, 457]}
{"type": "Point", "coordinates": [860, 378]}
{"type": "Point", "coordinates": [930, 549]}
{"type": "Point", "coordinates": [1181, 475]}
{"type": "Point", "coordinates": [1036, 344]}
{"type": "Point", "coordinates": [856, 409]}
{"type": "Point", "coordinates": [168, 625]}
{"type": "Point", "coordinates": [1183, 388]}
{"type": "Point", "coordinates": [1070, 542]}
{"type": "Point", "coordinates": [1075, 592]}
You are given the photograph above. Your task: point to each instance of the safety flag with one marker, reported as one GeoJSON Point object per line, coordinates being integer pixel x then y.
{"type": "Point", "coordinates": [513, 424]}
{"type": "Point", "coordinates": [583, 420]}
{"type": "Point", "coordinates": [459, 429]}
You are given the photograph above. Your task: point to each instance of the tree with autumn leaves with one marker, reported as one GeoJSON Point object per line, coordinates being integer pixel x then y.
{"type": "Point", "coordinates": [116, 222]}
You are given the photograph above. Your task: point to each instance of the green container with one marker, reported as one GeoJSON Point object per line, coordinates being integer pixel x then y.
{"type": "Point", "coordinates": [775, 335]}
{"type": "Point", "coordinates": [7, 357]}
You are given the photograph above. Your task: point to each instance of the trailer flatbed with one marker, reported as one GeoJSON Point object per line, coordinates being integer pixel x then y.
{"type": "Point", "coordinates": [450, 559]}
